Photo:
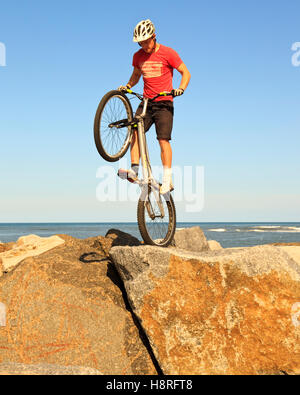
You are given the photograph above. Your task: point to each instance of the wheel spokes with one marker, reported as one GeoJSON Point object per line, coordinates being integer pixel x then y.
{"type": "Point", "coordinates": [157, 225]}
{"type": "Point", "coordinates": [113, 138]}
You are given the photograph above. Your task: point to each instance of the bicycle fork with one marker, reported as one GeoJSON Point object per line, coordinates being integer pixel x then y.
{"type": "Point", "coordinates": [150, 183]}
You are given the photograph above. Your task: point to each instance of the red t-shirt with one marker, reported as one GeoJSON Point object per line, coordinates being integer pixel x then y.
{"type": "Point", "coordinates": [157, 70]}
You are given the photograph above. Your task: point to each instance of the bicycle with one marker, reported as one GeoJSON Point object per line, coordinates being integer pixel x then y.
{"type": "Point", "coordinates": [113, 131]}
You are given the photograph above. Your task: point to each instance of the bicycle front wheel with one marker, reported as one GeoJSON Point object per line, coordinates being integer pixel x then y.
{"type": "Point", "coordinates": [157, 218]}
{"type": "Point", "coordinates": [112, 136]}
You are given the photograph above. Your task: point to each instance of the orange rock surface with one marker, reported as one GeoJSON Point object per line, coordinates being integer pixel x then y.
{"type": "Point", "coordinates": [65, 308]}
{"type": "Point", "coordinates": [216, 313]}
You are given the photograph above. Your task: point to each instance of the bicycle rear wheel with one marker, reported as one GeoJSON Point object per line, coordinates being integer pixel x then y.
{"type": "Point", "coordinates": [111, 138]}
{"type": "Point", "coordinates": [156, 229]}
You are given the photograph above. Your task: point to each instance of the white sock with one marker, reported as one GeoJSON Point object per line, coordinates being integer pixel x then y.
{"type": "Point", "coordinates": [167, 178]}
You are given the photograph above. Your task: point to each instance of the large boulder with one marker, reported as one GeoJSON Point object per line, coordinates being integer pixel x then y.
{"type": "Point", "coordinates": [26, 246]}
{"type": "Point", "coordinates": [191, 239]}
{"type": "Point", "coordinates": [221, 312]}
{"type": "Point", "coordinates": [65, 310]}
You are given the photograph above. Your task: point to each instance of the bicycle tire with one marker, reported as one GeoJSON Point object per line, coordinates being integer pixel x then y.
{"type": "Point", "coordinates": [113, 107]}
{"type": "Point", "coordinates": [149, 237]}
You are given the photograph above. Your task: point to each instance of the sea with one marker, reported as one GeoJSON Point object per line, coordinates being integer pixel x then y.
{"type": "Point", "coordinates": [228, 234]}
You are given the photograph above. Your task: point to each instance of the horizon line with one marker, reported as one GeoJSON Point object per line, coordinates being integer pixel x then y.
{"type": "Point", "coordinates": [130, 222]}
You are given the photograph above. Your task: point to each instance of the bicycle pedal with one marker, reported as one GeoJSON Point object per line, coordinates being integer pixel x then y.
{"type": "Point", "coordinates": [124, 176]}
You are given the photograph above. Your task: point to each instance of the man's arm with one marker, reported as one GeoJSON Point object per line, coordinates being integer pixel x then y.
{"type": "Point", "coordinates": [135, 77]}
{"type": "Point", "coordinates": [186, 76]}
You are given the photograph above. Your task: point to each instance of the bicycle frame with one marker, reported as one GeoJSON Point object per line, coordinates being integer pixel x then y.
{"type": "Point", "coordinates": [148, 180]}
{"type": "Point", "coordinates": [147, 172]}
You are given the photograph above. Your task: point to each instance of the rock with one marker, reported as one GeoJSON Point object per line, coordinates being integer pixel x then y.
{"type": "Point", "coordinates": [6, 246]}
{"type": "Point", "coordinates": [66, 308]}
{"type": "Point", "coordinates": [292, 251]}
{"type": "Point", "coordinates": [2, 314]}
{"type": "Point", "coordinates": [214, 245]}
{"type": "Point", "coordinates": [121, 238]}
{"type": "Point", "coordinates": [192, 239]}
{"type": "Point", "coordinates": [286, 244]}
{"type": "Point", "coordinates": [44, 369]}
{"type": "Point", "coordinates": [218, 312]}
{"type": "Point", "coordinates": [113, 237]}
{"type": "Point", "coordinates": [25, 247]}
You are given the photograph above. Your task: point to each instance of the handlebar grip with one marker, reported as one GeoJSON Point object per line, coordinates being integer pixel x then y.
{"type": "Point", "coordinates": [162, 94]}
{"type": "Point", "coordinates": [166, 93]}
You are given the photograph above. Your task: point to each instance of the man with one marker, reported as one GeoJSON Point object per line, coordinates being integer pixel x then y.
{"type": "Point", "coordinates": [155, 62]}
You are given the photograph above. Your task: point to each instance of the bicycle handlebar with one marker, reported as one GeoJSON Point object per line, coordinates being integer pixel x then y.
{"type": "Point", "coordinates": [151, 99]}
{"type": "Point", "coordinates": [163, 94]}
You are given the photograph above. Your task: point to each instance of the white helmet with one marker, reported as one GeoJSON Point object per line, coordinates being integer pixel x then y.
{"type": "Point", "coordinates": [143, 31]}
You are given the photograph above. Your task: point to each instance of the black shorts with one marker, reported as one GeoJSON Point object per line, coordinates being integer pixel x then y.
{"type": "Point", "coordinates": [161, 114]}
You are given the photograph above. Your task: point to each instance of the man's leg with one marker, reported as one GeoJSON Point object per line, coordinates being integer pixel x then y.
{"type": "Point", "coordinates": [135, 150]}
{"type": "Point", "coordinates": [132, 174]}
{"type": "Point", "coordinates": [164, 122]}
{"type": "Point", "coordinates": [166, 158]}
{"type": "Point", "coordinates": [165, 153]}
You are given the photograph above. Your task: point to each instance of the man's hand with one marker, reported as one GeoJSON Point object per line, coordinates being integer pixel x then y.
{"type": "Point", "coordinates": [123, 88]}
{"type": "Point", "coordinates": [177, 92]}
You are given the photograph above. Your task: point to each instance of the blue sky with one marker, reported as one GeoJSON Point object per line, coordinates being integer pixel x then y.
{"type": "Point", "coordinates": [239, 117]}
